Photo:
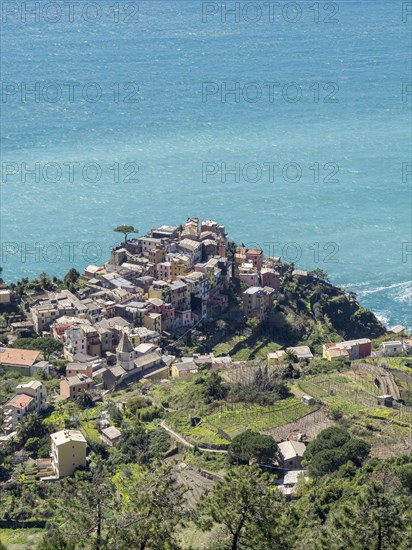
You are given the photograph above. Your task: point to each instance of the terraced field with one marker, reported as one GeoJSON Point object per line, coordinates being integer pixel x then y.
{"type": "Point", "coordinates": [234, 418]}
{"type": "Point", "coordinates": [201, 433]}
{"type": "Point", "coordinates": [351, 395]}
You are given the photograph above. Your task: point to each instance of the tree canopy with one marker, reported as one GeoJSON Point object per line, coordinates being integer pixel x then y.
{"type": "Point", "coordinates": [332, 448]}
{"type": "Point", "coordinates": [251, 513]}
{"type": "Point", "coordinates": [252, 446]}
{"type": "Point", "coordinates": [46, 345]}
{"type": "Point", "coordinates": [126, 230]}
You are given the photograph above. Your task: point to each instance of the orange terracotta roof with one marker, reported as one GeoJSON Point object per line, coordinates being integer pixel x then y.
{"type": "Point", "coordinates": [253, 251]}
{"type": "Point", "coordinates": [23, 357]}
{"type": "Point", "coordinates": [20, 401]}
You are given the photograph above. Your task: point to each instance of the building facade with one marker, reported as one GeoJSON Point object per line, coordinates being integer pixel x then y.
{"type": "Point", "coordinates": [68, 452]}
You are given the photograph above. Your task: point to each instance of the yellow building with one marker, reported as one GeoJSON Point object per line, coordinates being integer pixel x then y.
{"type": "Point", "coordinates": [140, 335]}
{"type": "Point", "coordinates": [161, 290]}
{"type": "Point", "coordinates": [5, 296]}
{"type": "Point", "coordinates": [68, 452]}
{"type": "Point", "coordinates": [276, 356]}
{"type": "Point", "coordinates": [179, 265]}
{"type": "Point", "coordinates": [184, 368]}
{"type": "Point", "coordinates": [153, 321]}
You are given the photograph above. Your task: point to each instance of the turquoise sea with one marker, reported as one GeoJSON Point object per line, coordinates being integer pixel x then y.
{"type": "Point", "coordinates": [288, 122]}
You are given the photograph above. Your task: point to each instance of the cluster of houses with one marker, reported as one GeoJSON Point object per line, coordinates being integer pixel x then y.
{"type": "Point", "coordinates": [68, 447]}
{"type": "Point", "coordinates": [362, 347]}
{"type": "Point", "coordinates": [164, 283]}
{"type": "Point", "coordinates": [349, 349]}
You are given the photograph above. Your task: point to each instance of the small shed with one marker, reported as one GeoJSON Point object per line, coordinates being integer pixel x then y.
{"type": "Point", "coordinates": [385, 400]}
{"type": "Point", "coordinates": [291, 454]}
{"type": "Point", "coordinates": [111, 435]}
{"type": "Point", "coordinates": [308, 400]}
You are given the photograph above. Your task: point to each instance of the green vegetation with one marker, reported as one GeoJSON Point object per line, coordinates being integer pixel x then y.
{"type": "Point", "coordinates": [252, 516]}
{"type": "Point", "coordinates": [350, 394]}
{"type": "Point", "coordinates": [311, 314]}
{"type": "Point", "coordinates": [331, 449]}
{"type": "Point", "coordinates": [11, 539]}
{"type": "Point", "coordinates": [126, 230]}
{"type": "Point", "coordinates": [251, 446]}
{"type": "Point", "coordinates": [71, 278]}
{"type": "Point", "coordinates": [47, 345]}
{"type": "Point", "coordinates": [132, 491]}
{"type": "Point", "coordinates": [236, 417]}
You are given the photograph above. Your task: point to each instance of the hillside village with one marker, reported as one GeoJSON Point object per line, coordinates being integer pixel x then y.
{"type": "Point", "coordinates": [159, 337]}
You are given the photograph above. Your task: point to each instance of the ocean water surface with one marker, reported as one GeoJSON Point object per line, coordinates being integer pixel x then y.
{"type": "Point", "coordinates": [291, 127]}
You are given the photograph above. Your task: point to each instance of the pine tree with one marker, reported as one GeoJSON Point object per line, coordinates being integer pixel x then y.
{"type": "Point", "coordinates": [377, 519]}
{"type": "Point", "coordinates": [253, 514]}
{"type": "Point", "coordinates": [152, 510]}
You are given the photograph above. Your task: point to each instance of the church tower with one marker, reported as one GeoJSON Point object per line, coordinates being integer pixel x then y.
{"type": "Point", "coordinates": [125, 353]}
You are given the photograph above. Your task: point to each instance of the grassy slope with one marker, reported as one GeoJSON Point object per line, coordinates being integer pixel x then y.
{"type": "Point", "coordinates": [16, 539]}
{"type": "Point", "coordinates": [309, 314]}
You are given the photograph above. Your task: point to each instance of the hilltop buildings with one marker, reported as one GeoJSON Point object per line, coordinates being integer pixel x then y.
{"type": "Point", "coordinates": [167, 280]}
{"type": "Point", "coordinates": [164, 283]}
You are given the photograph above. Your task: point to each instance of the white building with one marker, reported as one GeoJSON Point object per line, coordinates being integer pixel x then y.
{"type": "Point", "coordinates": [74, 341]}
{"type": "Point", "coordinates": [29, 398]}
{"type": "Point", "coordinates": [301, 352]}
{"type": "Point", "coordinates": [391, 348]}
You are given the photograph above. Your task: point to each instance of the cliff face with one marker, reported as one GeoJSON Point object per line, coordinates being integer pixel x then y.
{"type": "Point", "coordinates": [318, 309]}
{"type": "Point", "coordinates": [350, 318]}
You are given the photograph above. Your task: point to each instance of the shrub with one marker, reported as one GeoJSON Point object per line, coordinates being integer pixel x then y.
{"type": "Point", "coordinates": [149, 414]}
{"type": "Point", "coordinates": [138, 402]}
{"type": "Point", "coordinates": [44, 448]}
{"type": "Point", "coordinates": [356, 450]}
{"type": "Point", "coordinates": [32, 444]}
{"type": "Point", "coordinates": [159, 442]}
{"type": "Point", "coordinates": [335, 412]}
{"type": "Point", "coordinates": [333, 448]}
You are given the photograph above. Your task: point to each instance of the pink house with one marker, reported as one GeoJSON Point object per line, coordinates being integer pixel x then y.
{"type": "Point", "coordinates": [270, 277]}
{"type": "Point", "coordinates": [255, 256]}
